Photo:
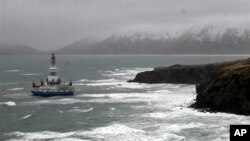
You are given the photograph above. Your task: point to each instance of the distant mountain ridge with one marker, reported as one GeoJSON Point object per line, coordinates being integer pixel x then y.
{"type": "Point", "coordinates": [76, 48]}
{"type": "Point", "coordinates": [14, 49]}
{"type": "Point", "coordinates": [205, 41]}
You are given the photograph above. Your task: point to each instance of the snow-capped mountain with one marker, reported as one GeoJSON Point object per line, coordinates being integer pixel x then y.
{"type": "Point", "coordinates": [207, 40]}
{"type": "Point", "coordinates": [77, 47]}
{"type": "Point", "coordinates": [135, 36]}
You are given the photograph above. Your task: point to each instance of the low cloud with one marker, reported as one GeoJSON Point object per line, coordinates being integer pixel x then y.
{"type": "Point", "coordinates": [51, 24]}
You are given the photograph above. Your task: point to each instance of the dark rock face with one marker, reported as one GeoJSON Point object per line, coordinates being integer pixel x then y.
{"type": "Point", "coordinates": [149, 77]}
{"type": "Point", "coordinates": [223, 87]}
{"type": "Point", "coordinates": [227, 91]}
{"type": "Point", "coordinates": [180, 74]}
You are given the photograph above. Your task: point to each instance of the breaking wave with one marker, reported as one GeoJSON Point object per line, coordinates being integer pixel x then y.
{"type": "Point", "coordinates": [30, 74]}
{"type": "Point", "coordinates": [78, 110]}
{"type": "Point", "coordinates": [8, 103]}
{"type": "Point", "coordinates": [156, 112]}
{"type": "Point", "coordinates": [111, 132]}
{"type": "Point", "coordinates": [15, 89]}
{"type": "Point", "coordinates": [27, 116]}
{"type": "Point", "coordinates": [114, 132]}
{"type": "Point", "coordinates": [13, 70]}
{"type": "Point", "coordinates": [44, 135]}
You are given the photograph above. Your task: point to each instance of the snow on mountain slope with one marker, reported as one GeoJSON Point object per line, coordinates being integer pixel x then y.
{"type": "Point", "coordinates": [208, 39]}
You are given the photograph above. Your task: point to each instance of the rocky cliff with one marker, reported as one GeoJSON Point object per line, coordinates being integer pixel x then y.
{"type": "Point", "coordinates": [223, 87]}
{"type": "Point", "coordinates": [181, 74]}
{"type": "Point", "coordinates": [226, 91]}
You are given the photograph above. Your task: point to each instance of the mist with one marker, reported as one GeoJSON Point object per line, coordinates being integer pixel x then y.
{"type": "Point", "coordinates": [52, 24]}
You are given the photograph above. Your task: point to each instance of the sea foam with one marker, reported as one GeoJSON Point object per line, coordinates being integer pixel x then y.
{"type": "Point", "coordinates": [44, 135]}
{"type": "Point", "coordinates": [13, 70]}
{"type": "Point", "coordinates": [110, 132]}
{"type": "Point", "coordinates": [15, 89]}
{"type": "Point", "coordinates": [27, 116]}
{"type": "Point", "coordinates": [77, 110]}
{"type": "Point", "coordinates": [30, 74]}
{"type": "Point", "coordinates": [8, 103]}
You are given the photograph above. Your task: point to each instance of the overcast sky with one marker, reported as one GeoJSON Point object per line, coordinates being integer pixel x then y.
{"type": "Point", "coordinates": [51, 24]}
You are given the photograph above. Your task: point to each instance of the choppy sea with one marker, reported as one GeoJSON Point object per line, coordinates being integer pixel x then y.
{"type": "Point", "coordinates": [105, 107]}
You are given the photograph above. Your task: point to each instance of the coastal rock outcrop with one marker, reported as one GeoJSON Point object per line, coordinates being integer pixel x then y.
{"type": "Point", "coordinates": [180, 74]}
{"type": "Point", "coordinates": [227, 91]}
{"type": "Point", "coordinates": [222, 87]}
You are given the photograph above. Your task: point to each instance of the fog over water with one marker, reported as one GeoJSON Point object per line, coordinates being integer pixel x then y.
{"type": "Point", "coordinates": [52, 24]}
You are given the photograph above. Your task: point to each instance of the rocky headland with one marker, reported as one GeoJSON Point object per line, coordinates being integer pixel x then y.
{"type": "Point", "coordinates": [220, 87]}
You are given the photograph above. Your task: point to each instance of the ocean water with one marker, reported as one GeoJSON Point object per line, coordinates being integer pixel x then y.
{"type": "Point", "coordinates": [105, 107]}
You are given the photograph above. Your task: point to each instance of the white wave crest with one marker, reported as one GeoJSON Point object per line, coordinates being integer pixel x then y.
{"type": "Point", "coordinates": [122, 95]}
{"type": "Point", "coordinates": [159, 115]}
{"type": "Point", "coordinates": [44, 135]}
{"type": "Point", "coordinates": [174, 128]}
{"type": "Point", "coordinates": [114, 129]}
{"type": "Point", "coordinates": [27, 116]}
{"type": "Point", "coordinates": [9, 103]}
{"type": "Point", "coordinates": [70, 139]}
{"type": "Point", "coordinates": [73, 101]}
{"type": "Point", "coordinates": [15, 89]}
{"type": "Point", "coordinates": [114, 132]}
{"type": "Point", "coordinates": [13, 70]}
{"type": "Point", "coordinates": [111, 132]}
{"type": "Point", "coordinates": [123, 73]}
{"type": "Point", "coordinates": [103, 82]}
{"type": "Point", "coordinates": [30, 74]}
{"type": "Point", "coordinates": [119, 132]}
{"type": "Point", "coordinates": [112, 84]}
{"type": "Point", "coordinates": [82, 80]}
{"type": "Point", "coordinates": [81, 110]}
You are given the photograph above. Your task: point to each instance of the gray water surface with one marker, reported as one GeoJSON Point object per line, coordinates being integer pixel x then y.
{"type": "Point", "coordinates": [105, 106]}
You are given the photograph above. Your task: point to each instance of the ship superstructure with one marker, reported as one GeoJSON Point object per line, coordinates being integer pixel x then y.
{"type": "Point", "coordinates": [53, 85]}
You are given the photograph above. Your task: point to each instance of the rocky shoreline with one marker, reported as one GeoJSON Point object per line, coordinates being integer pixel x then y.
{"type": "Point", "coordinates": [220, 87]}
